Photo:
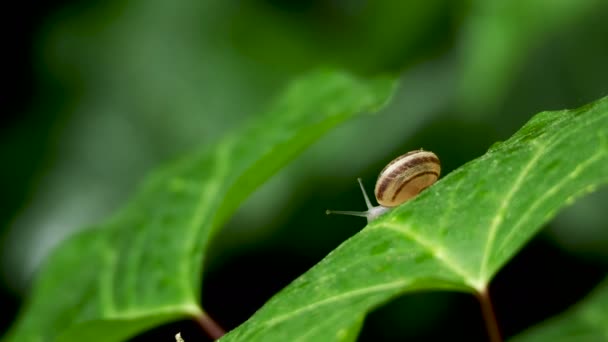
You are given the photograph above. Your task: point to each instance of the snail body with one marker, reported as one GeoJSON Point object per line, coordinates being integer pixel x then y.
{"type": "Point", "coordinates": [401, 180]}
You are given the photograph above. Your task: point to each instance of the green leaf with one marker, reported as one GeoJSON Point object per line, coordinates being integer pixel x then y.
{"type": "Point", "coordinates": [455, 236]}
{"type": "Point", "coordinates": [143, 266]}
{"type": "Point", "coordinates": [586, 321]}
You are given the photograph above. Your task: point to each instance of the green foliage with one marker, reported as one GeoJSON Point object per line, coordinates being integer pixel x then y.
{"type": "Point", "coordinates": [507, 31]}
{"type": "Point", "coordinates": [584, 322]}
{"type": "Point", "coordinates": [130, 84]}
{"type": "Point", "coordinates": [143, 266]}
{"type": "Point", "coordinates": [456, 235]}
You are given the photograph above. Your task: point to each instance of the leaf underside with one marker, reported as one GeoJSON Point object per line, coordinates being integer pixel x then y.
{"type": "Point", "coordinates": [455, 235]}
{"type": "Point", "coordinates": [142, 268]}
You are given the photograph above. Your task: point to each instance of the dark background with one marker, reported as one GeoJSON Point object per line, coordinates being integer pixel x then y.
{"type": "Point", "coordinates": [95, 94]}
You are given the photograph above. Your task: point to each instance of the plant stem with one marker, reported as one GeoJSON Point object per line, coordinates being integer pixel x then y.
{"type": "Point", "coordinates": [210, 326]}
{"type": "Point", "coordinates": [489, 316]}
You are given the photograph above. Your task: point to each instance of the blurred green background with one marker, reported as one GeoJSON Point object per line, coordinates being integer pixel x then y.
{"type": "Point", "coordinates": [98, 93]}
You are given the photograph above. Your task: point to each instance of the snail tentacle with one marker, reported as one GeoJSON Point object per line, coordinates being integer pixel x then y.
{"type": "Point", "coordinates": [401, 180]}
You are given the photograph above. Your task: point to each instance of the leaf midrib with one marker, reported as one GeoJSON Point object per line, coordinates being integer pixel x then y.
{"type": "Point", "coordinates": [439, 252]}
{"type": "Point", "coordinates": [502, 209]}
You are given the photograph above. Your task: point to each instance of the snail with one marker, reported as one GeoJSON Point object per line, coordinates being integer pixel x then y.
{"type": "Point", "coordinates": [401, 180]}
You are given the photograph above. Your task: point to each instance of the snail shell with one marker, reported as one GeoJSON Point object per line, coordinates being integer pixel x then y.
{"type": "Point", "coordinates": [401, 180]}
{"type": "Point", "coordinates": [407, 175]}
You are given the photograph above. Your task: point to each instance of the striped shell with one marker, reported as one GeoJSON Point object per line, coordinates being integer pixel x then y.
{"type": "Point", "coordinates": [407, 175]}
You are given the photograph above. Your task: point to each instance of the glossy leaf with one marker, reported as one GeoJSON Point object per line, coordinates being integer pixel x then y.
{"type": "Point", "coordinates": [143, 267]}
{"type": "Point", "coordinates": [455, 236]}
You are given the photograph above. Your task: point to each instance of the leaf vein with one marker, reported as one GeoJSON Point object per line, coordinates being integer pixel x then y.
{"type": "Point", "coordinates": [449, 208]}
{"type": "Point", "coordinates": [438, 252]}
{"type": "Point", "coordinates": [502, 209]}
{"type": "Point", "coordinates": [343, 296]}
{"type": "Point", "coordinates": [555, 188]}
{"type": "Point", "coordinates": [202, 208]}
